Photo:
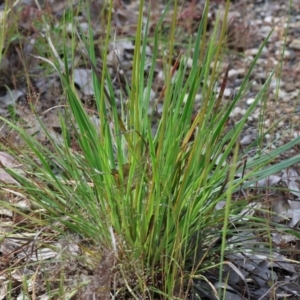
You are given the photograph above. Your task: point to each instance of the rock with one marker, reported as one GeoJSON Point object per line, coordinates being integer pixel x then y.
{"type": "Point", "coordinates": [10, 98]}
{"type": "Point", "coordinates": [290, 86]}
{"type": "Point", "coordinates": [256, 88]}
{"type": "Point", "coordinates": [286, 54]}
{"type": "Point", "coordinates": [236, 72]}
{"type": "Point", "coordinates": [227, 91]}
{"type": "Point", "coordinates": [268, 19]}
{"type": "Point", "coordinates": [295, 44]}
{"type": "Point", "coordinates": [252, 52]}
{"type": "Point", "coordinates": [247, 140]}
{"type": "Point", "coordinates": [250, 101]}
{"type": "Point", "coordinates": [280, 93]}
{"type": "Point", "coordinates": [236, 111]}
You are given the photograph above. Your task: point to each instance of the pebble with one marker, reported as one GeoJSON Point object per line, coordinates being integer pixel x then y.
{"type": "Point", "coordinates": [267, 123]}
{"type": "Point", "coordinates": [189, 62]}
{"type": "Point", "coordinates": [160, 108]}
{"type": "Point", "coordinates": [235, 112]}
{"type": "Point", "coordinates": [227, 91]}
{"type": "Point", "coordinates": [295, 44]}
{"type": "Point", "coordinates": [287, 99]}
{"type": "Point", "coordinates": [246, 140]}
{"type": "Point", "coordinates": [256, 87]}
{"type": "Point", "coordinates": [250, 101]}
{"type": "Point", "coordinates": [290, 87]}
{"type": "Point", "coordinates": [275, 83]}
{"type": "Point", "coordinates": [236, 72]}
{"type": "Point", "coordinates": [252, 52]}
{"type": "Point", "coordinates": [264, 31]}
{"type": "Point", "coordinates": [10, 98]}
{"type": "Point", "coordinates": [286, 53]}
{"type": "Point", "coordinates": [295, 24]}
{"type": "Point", "coordinates": [198, 98]}
{"type": "Point", "coordinates": [280, 93]}
{"type": "Point", "coordinates": [268, 19]}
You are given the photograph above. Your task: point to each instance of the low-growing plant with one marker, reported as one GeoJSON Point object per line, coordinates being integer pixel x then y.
{"type": "Point", "coordinates": [147, 196]}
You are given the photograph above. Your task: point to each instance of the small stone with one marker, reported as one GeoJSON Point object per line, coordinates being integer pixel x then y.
{"type": "Point", "coordinates": [261, 74]}
{"type": "Point", "coordinates": [10, 97]}
{"type": "Point", "coordinates": [274, 83]}
{"type": "Point", "coordinates": [256, 115]}
{"type": "Point", "coordinates": [287, 99]}
{"type": "Point", "coordinates": [290, 86]}
{"type": "Point", "coordinates": [279, 44]}
{"type": "Point", "coordinates": [152, 94]}
{"type": "Point", "coordinates": [257, 22]}
{"type": "Point", "coordinates": [189, 62]}
{"type": "Point", "coordinates": [198, 98]}
{"type": "Point", "coordinates": [267, 123]}
{"type": "Point", "coordinates": [268, 19]}
{"type": "Point", "coordinates": [252, 52]}
{"type": "Point", "coordinates": [256, 87]}
{"type": "Point", "coordinates": [279, 94]}
{"type": "Point", "coordinates": [236, 72]}
{"type": "Point", "coordinates": [160, 108]}
{"type": "Point", "coordinates": [160, 74]}
{"type": "Point", "coordinates": [246, 140]}
{"type": "Point", "coordinates": [250, 101]}
{"type": "Point", "coordinates": [236, 111]}
{"type": "Point", "coordinates": [296, 134]}
{"type": "Point", "coordinates": [295, 44]}
{"type": "Point", "coordinates": [227, 92]}
{"type": "Point", "coordinates": [286, 54]}
{"type": "Point", "coordinates": [295, 24]}
{"type": "Point", "coordinates": [265, 31]}
{"type": "Point", "coordinates": [280, 124]}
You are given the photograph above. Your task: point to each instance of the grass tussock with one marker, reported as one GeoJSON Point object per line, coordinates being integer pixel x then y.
{"type": "Point", "coordinates": [154, 209]}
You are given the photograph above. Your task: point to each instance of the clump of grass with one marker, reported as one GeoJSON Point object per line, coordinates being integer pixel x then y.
{"type": "Point", "coordinates": [150, 199]}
